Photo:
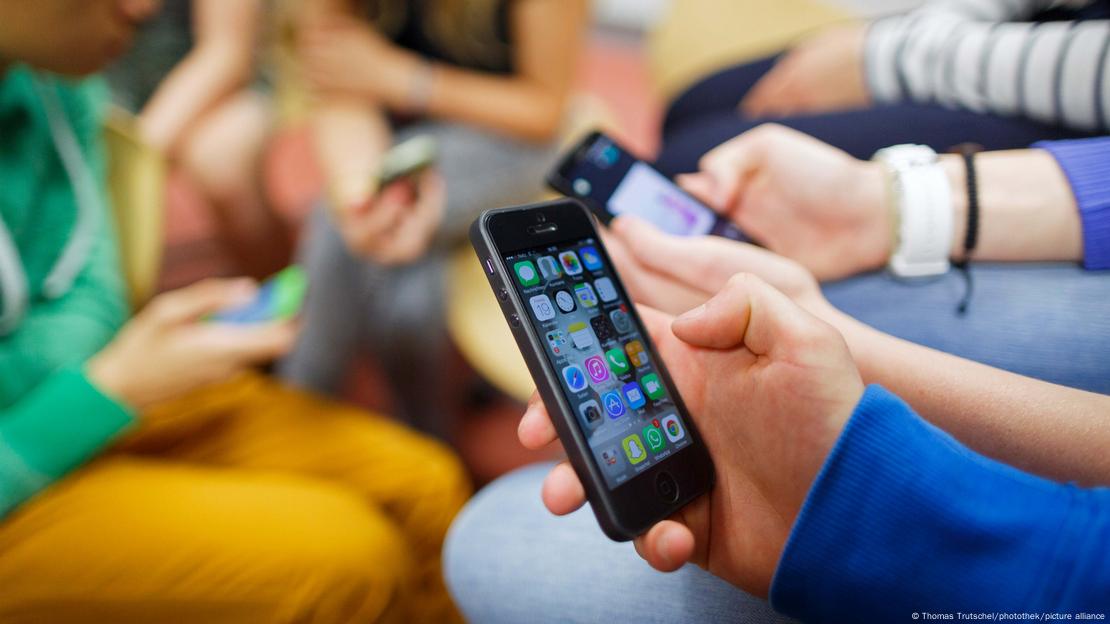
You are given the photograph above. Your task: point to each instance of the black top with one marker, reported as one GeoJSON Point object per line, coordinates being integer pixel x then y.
{"type": "Point", "coordinates": [413, 36]}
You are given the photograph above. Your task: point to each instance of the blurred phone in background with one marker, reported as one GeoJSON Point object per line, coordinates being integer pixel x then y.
{"type": "Point", "coordinates": [407, 159]}
{"type": "Point", "coordinates": [279, 298]}
{"type": "Point", "coordinates": [611, 182]}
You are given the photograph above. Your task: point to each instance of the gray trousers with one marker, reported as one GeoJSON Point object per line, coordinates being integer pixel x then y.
{"type": "Point", "coordinates": [396, 314]}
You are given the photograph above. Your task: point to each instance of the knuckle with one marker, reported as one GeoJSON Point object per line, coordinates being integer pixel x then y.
{"type": "Point", "coordinates": [743, 282]}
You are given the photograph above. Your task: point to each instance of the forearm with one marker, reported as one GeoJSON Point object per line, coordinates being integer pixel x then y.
{"type": "Point", "coordinates": [56, 427]}
{"type": "Point", "coordinates": [1046, 429]}
{"type": "Point", "coordinates": [206, 75]}
{"type": "Point", "coordinates": [350, 137]}
{"type": "Point", "coordinates": [505, 104]}
{"type": "Point", "coordinates": [1027, 211]}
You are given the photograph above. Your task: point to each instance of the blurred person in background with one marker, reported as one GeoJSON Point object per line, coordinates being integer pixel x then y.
{"type": "Point", "coordinates": [202, 96]}
{"type": "Point", "coordinates": [999, 73]}
{"type": "Point", "coordinates": [146, 474]}
{"type": "Point", "coordinates": [489, 81]}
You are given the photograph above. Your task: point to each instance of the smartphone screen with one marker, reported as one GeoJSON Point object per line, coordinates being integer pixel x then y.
{"type": "Point", "coordinates": [621, 404]}
{"type": "Point", "coordinates": [611, 180]}
{"type": "Point", "coordinates": [279, 298]}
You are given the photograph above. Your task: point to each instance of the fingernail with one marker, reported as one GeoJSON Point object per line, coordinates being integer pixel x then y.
{"type": "Point", "coordinates": [243, 286]}
{"type": "Point", "coordinates": [690, 315]}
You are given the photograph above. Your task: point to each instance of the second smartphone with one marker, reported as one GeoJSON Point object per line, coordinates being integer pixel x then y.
{"type": "Point", "coordinates": [620, 418]}
{"type": "Point", "coordinates": [610, 181]}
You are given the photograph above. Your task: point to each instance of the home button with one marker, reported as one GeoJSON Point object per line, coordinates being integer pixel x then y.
{"type": "Point", "coordinates": [666, 486]}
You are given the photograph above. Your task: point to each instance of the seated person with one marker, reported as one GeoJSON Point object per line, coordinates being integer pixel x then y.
{"type": "Point", "coordinates": [488, 80]}
{"type": "Point", "coordinates": [1000, 73]}
{"type": "Point", "coordinates": [835, 500]}
{"type": "Point", "coordinates": [145, 473]}
{"type": "Point", "coordinates": [192, 77]}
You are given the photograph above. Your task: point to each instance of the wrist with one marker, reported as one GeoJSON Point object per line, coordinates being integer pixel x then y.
{"type": "Point", "coordinates": [859, 337]}
{"type": "Point", "coordinates": [920, 195]}
{"type": "Point", "coordinates": [421, 86]}
{"type": "Point", "coordinates": [108, 377]}
{"type": "Point", "coordinates": [876, 243]}
{"type": "Point", "coordinates": [956, 173]}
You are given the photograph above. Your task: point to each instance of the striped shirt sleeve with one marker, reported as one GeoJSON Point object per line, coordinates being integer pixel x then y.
{"type": "Point", "coordinates": [979, 55]}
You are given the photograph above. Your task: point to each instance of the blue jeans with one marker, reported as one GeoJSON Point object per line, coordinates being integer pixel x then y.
{"type": "Point", "coordinates": [706, 115]}
{"type": "Point", "coordinates": [507, 560]}
{"type": "Point", "coordinates": [1048, 321]}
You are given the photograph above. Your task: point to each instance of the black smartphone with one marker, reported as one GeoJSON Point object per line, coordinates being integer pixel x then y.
{"type": "Point", "coordinates": [610, 181]}
{"type": "Point", "coordinates": [623, 425]}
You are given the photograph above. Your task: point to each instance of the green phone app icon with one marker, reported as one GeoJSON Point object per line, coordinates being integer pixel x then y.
{"type": "Point", "coordinates": [618, 363]}
{"type": "Point", "coordinates": [652, 386]}
{"type": "Point", "coordinates": [526, 273]}
{"type": "Point", "coordinates": [654, 438]}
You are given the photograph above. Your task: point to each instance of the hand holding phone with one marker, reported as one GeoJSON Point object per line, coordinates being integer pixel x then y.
{"type": "Point", "coordinates": [164, 352]}
{"type": "Point", "coordinates": [407, 159]}
{"type": "Point", "coordinates": [610, 181]}
{"type": "Point", "coordinates": [620, 418]}
{"type": "Point", "coordinates": [772, 388]}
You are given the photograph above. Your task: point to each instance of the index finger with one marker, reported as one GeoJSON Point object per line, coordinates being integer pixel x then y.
{"type": "Point", "coordinates": [699, 263]}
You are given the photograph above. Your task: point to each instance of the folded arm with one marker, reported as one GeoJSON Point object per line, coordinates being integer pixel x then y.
{"type": "Point", "coordinates": [219, 63]}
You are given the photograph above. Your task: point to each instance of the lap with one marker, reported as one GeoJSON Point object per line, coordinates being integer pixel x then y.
{"type": "Point", "coordinates": [257, 423]}
{"type": "Point", "coordinates": [1044, 321]}
{"type": "Point", "coordinates": [508, 560]}
{"type": "Point", "coordinates": [128, 539]}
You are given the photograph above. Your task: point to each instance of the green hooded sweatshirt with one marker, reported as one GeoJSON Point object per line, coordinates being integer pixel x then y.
{"type": "Point", "coordinates": [61, 291]}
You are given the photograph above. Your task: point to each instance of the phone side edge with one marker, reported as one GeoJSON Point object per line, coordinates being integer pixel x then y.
{"type": "Point", "coordinates": [578, 452]}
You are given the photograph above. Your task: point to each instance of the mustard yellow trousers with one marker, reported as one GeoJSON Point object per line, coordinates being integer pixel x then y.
{"type": "Point", "coordinates": [245, 502]}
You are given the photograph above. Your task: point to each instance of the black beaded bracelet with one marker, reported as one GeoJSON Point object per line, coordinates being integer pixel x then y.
{"type": "Point", "coordinates": [971, 236]}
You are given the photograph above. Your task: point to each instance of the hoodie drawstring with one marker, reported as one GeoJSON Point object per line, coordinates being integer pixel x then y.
{"type": "Point", "coordinates": [13, 280]}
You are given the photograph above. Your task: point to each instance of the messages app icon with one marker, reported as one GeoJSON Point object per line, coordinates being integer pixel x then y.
{"type": "Point", "coordinates": [526, 273]}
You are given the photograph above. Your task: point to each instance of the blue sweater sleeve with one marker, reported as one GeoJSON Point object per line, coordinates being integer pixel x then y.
{"type": "Point", "coordinates": [903, 519]}
{"type": "Point", "coordinates": [1086, 163]}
